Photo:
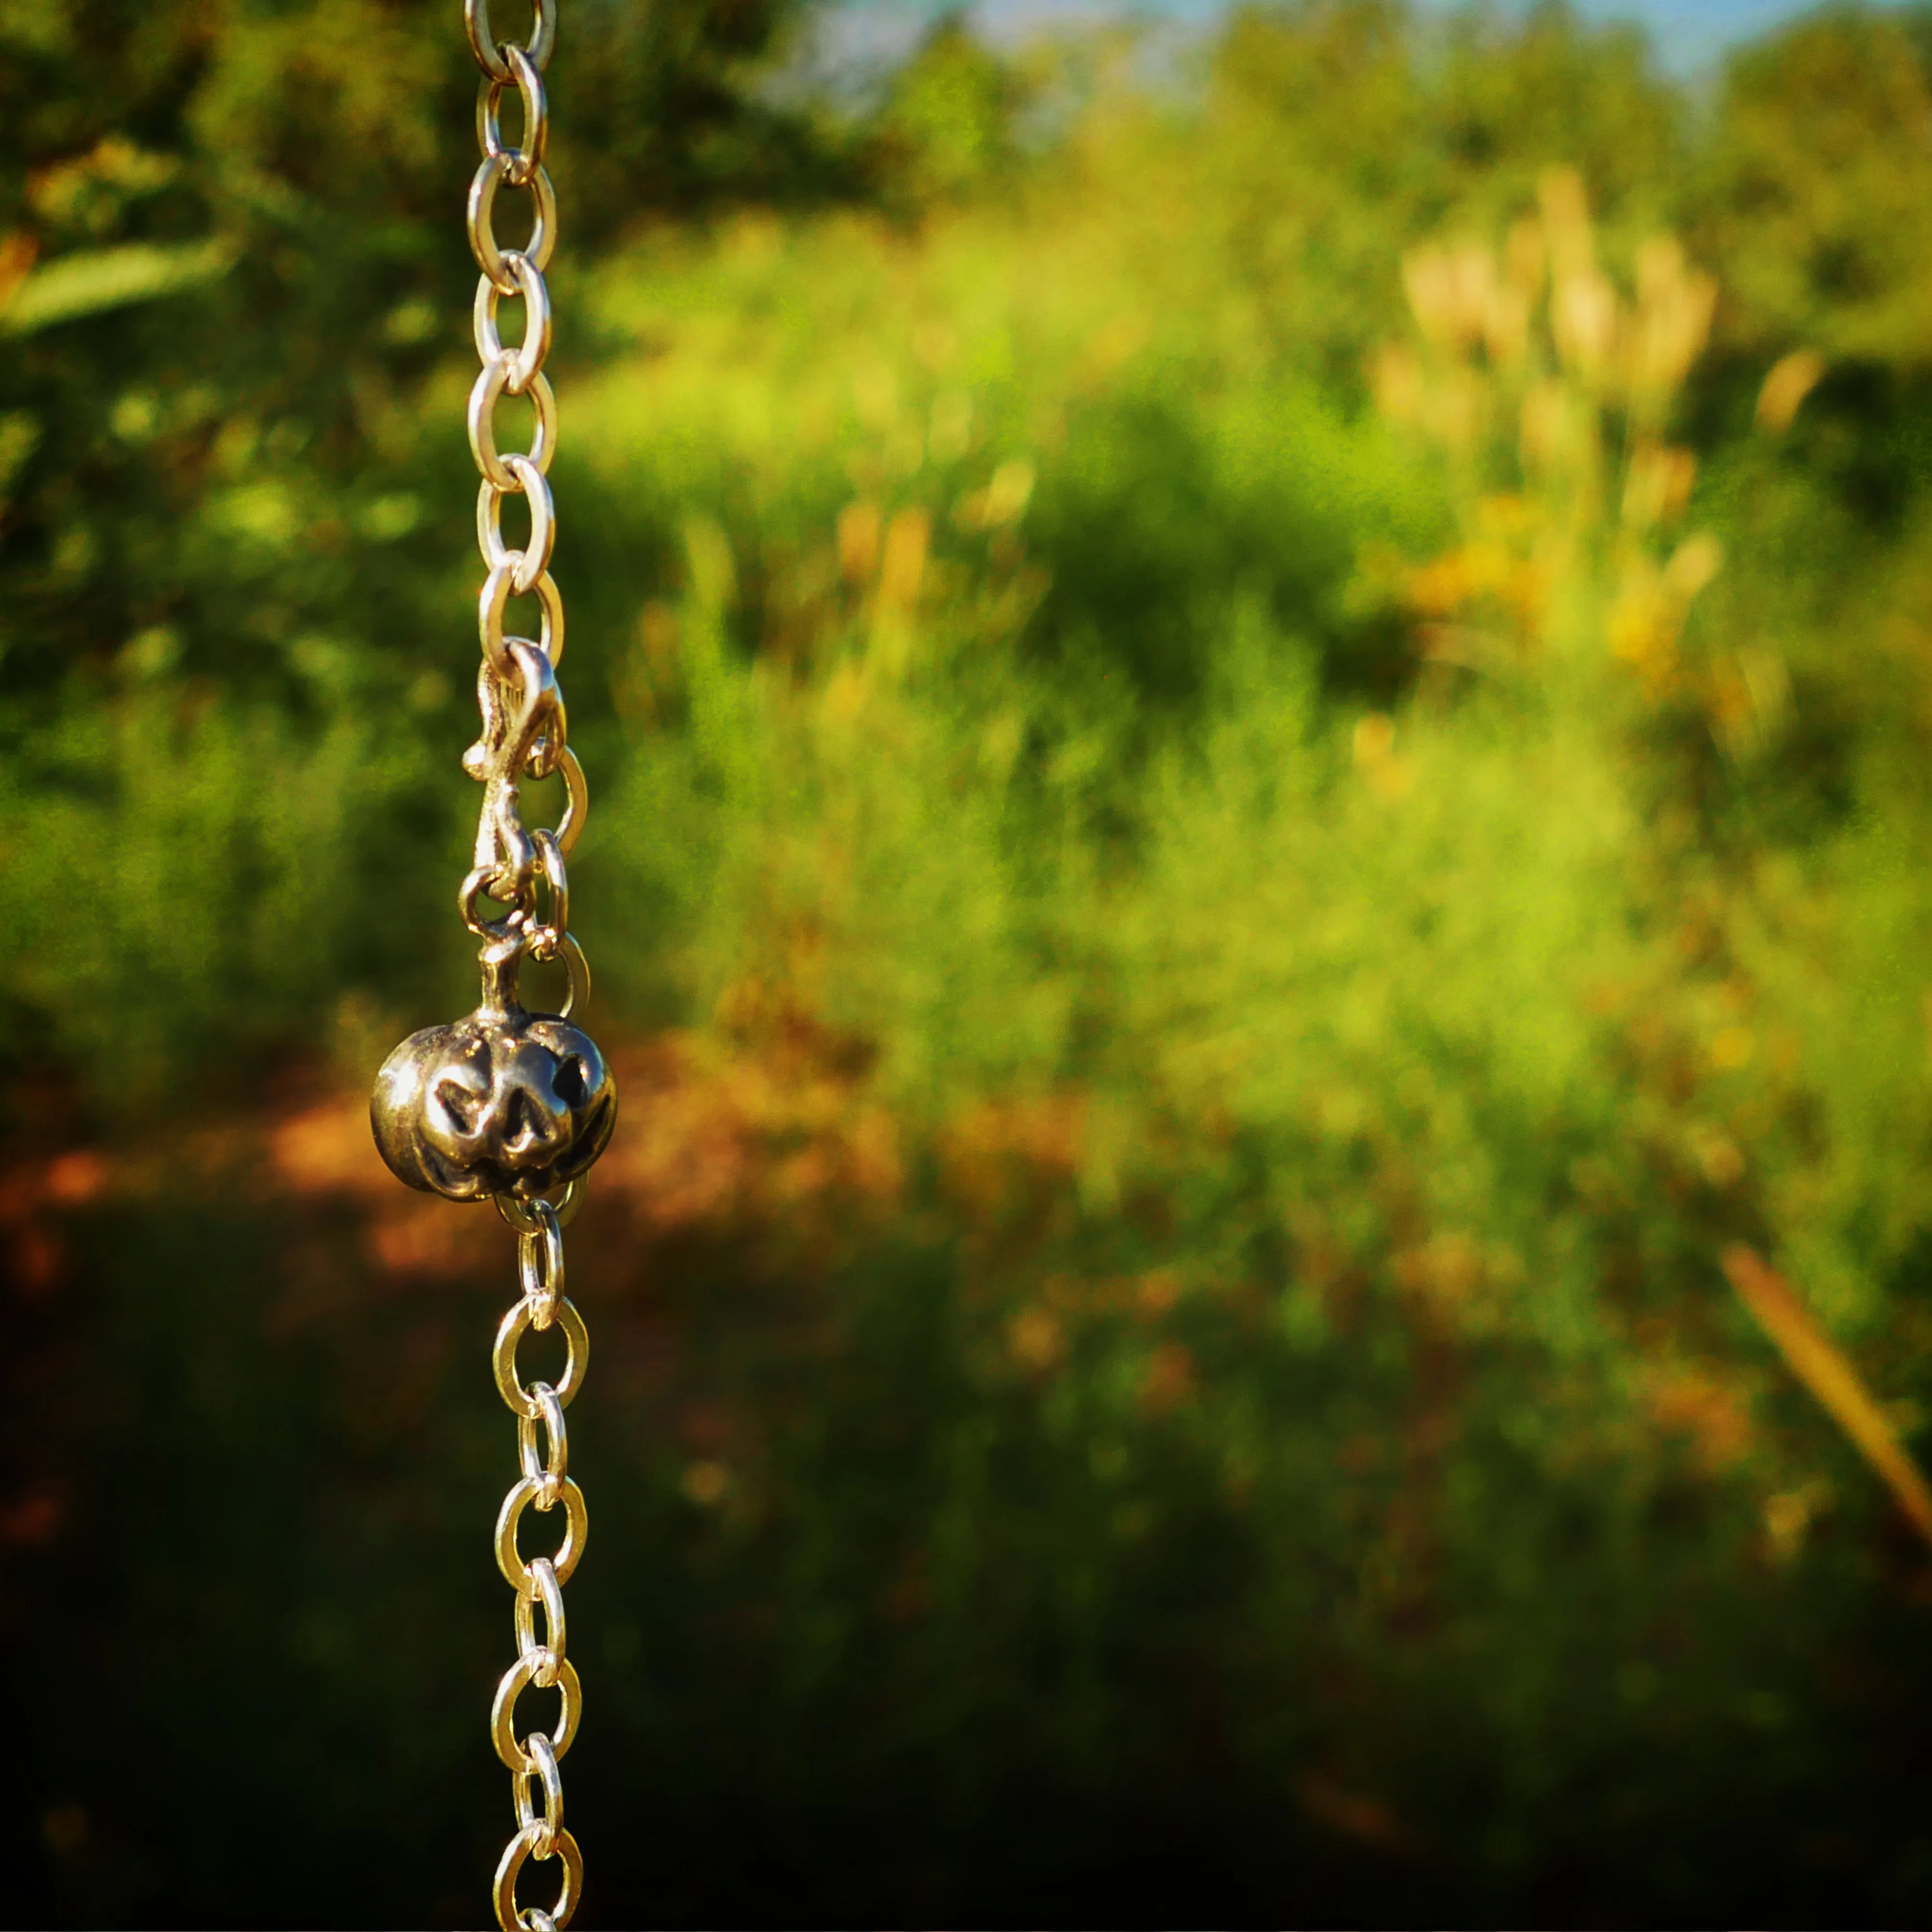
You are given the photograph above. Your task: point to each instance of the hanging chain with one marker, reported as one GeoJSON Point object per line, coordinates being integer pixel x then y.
{"type": "Point", "coordinates": [523, 733]}
{"type": "Point", "coordinates": [508, 1105]}
{"type": "Point", "coordinates": [544, 1449]}
{"type": "Point", "coordinates": [524, 719]}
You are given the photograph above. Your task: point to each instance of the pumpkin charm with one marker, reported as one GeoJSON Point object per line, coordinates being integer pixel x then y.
{"type": "Point", "coordinates": [505, 1102]}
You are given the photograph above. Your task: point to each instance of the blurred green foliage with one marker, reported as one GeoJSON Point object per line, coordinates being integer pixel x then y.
{"type": "Point", "coordinates": [1259, 771]}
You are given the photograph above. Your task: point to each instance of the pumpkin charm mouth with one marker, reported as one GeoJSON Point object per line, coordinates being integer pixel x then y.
{"type": "Point", "coordinates": [505, 1102]}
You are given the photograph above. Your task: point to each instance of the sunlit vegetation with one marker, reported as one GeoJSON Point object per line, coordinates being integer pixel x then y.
{"type": "Point", "coordinates": [1258, 717]}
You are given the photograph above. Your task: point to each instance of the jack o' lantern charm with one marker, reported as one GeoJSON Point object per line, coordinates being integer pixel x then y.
{"type": "Point", "coordinates": [505, 1102]}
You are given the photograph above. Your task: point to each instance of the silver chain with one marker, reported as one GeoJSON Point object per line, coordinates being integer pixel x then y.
{"type": "Point", "coordinates": [544, 1449]}
{"type": "Point", "coordinates": [524, 734]}
{"type": "Point", "coordinates": [509, 1105]}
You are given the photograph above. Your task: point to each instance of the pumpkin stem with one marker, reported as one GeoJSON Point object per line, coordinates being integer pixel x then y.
{"type": "Point", "coordinates": [499, 960]}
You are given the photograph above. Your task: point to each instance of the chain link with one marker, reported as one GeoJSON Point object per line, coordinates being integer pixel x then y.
{"type": "Point", "coordinates": [522, 872]}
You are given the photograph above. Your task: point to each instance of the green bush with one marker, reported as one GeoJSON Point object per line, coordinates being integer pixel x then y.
{"type": "Point", "coordinates": [1244, 815]}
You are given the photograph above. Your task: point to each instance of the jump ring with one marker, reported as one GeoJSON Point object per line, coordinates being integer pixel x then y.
{"type": "Point", "coordinates": [540, 1268]}
{"type": "Point", "coordinates": [532, 561]}
{"type": "Point", "coordinates": [577, 802]}
{"type": "Point", "coordinates": [510, 1332]}
{"type": "Point", "coordinates": [546, 1591]}
{"type": "Point", "coordinates": [546, 943]}
{"type": "Point", "coordinates": [519, 1849]}
{"type": "Point", "coordinates": [492, 602]}
{"type": "Point", "coordinates": [491, 173]}
{"type": "Point", "coordinates": [491, 387]}
{"type": "Point", "coordinates": [529, 83]}
{"type": "Point", "coordinates": [550, 857]}
{"type": "Point", "coordinates": [576, 1531]}
{"type": "Point", "coordinates": [518, 1213]}
{"type": "Point", "coordinates": [529, 355]}
{"type": "Point", "coordinates": [521, 1675]}
{"type": "Point", "coordinates": [546, 1773]}
{"type": "Point", "coordinates": [483, 44]}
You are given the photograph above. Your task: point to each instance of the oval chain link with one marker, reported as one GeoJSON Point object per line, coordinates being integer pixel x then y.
{"type": "Point", "coordinates": [518, 692]}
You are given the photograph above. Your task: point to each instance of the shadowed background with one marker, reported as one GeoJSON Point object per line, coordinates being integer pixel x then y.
{"type": "Point", "coordinates": [1257, 707]}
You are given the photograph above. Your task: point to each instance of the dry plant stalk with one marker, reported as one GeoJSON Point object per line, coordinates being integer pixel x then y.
{"type": "Point", "coordinates": [1548, 393]}
{"type": "Point", "coordinates": [1823, 1367]}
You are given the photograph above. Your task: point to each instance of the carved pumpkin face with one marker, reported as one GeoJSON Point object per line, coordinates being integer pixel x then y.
{"type": "Point", "coordinates": [503, 1102]}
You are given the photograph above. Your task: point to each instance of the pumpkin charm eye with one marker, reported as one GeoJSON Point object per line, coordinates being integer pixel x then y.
{"type": "Point", "coordinates": [505, 1102]}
